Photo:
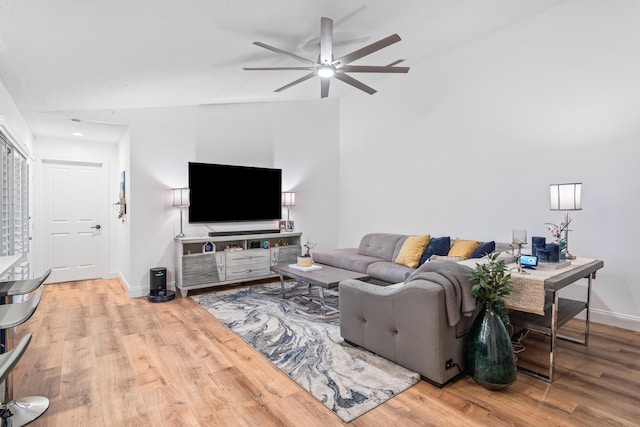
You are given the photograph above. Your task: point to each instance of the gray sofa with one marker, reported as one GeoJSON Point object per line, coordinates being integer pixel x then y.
{"type": "Point", "coordinates": [374, 256]}
{"type": "Point", "coordinates": [419, 319]}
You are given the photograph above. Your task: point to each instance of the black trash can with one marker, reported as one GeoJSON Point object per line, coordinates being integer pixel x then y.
{"type": "Point", "coordinates": [158, 286]}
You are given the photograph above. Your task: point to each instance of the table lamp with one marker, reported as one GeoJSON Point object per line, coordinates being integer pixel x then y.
{"type": "Point", "coordinates": [289, 200]}
{"type": "Point", "coordinates": [566, 197]}
{"type": "Point", "coordinates": [180, 200]}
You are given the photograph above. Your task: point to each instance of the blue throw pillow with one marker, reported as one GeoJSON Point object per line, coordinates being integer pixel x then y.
{"type": "Point", "coordinates": [484, 248]}
{"type": "Point", "coordinates": [436, 246]}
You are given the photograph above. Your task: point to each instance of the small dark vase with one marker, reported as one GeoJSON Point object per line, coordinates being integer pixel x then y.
{"type": "Point", "coordinates": [490, 359]}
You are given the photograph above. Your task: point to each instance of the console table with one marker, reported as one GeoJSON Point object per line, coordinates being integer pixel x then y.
{"type": "Point", "coordinates": [554, 312]}
{"type": "Point", "coordinates": [231, 259]}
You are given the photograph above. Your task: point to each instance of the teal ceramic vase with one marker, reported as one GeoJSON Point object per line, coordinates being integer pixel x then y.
{"type": "Point", "coordinates": [490, 359]}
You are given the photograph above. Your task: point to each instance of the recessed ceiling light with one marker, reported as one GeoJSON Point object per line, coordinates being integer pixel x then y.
{"type": "Point", "coordinates": [77, 133]}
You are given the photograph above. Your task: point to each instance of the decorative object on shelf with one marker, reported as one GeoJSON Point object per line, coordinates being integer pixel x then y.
{"type": "Point", "coordinates": [305, 259]}
{"type": "Point", "coordinates": [490, 359]}
{"type": "Point", "coordinates": [208, 247]}
{"type": "Point", "coordinates": [288, 201]}
{"type": "Point", "coordinates": [538, 243]}
{"type": "Point", "coordinates": [564, 197]}
{"type": "Point", "coordinates": [518, 240]}
{"type": "Point", "coordinates": [553, 252]}
{"type": "Point", "coordinates": [311, 267]}
{"type": "Point", "coordinates": [180, 200]}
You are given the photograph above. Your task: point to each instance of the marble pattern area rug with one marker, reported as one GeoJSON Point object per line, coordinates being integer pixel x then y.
{"type": "Point", "coordinates": [302, 342]}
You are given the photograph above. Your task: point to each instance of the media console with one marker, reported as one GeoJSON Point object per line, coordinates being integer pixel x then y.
{"type": "Point", "coordinates": [202, 262]}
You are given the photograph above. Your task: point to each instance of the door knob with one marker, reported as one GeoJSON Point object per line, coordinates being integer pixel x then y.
{"type": "Point", "coordinates": [97, 227]}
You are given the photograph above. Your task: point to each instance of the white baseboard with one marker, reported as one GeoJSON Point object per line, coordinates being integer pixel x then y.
{"type": "Point", "coordinates": [618, 320]}
{"type": "Point", "coordinates": [123, 282]}
{"type": "Point", "coordinates": [135, 292]}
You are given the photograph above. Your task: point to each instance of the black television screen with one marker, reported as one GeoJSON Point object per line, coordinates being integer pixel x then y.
{"type": "Point", "coordinates": [227, 193]}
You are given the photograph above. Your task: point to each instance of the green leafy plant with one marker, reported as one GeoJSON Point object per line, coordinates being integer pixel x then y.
{"type": "Point", "coordinates": [491, 283]}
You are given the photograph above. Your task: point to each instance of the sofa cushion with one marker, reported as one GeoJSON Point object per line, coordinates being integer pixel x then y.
{"type": "Point", "coordinates": [483, 249]}
{"type": "Point", "coordinates": [436, 246]}
{"type": "Point", "coordinates": [346, 258]}
{"type": "Point", "coordinates": [380, 245]}
{"type": "Point", "coordinates": [412, 250]}
{"type": "Point", "coordinates": [463, 248]}
{"type": "Point", "coordinates": [389, 271]}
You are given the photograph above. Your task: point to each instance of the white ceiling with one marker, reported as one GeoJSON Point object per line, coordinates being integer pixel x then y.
{"type": "Point", "coordinates": [77, 55]}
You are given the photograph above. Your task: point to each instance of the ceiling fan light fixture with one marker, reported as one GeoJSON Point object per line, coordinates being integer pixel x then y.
{"type": "Point", "coordinates": [326, 71]}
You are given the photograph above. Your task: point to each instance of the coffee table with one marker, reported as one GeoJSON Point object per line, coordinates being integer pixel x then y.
{"type": "Point", "coordinates": [325, 278]}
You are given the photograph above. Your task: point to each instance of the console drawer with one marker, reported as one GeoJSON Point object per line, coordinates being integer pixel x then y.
{"type": "Point", "coordinates": [247, 270]}
{"type": "Point", "coordinates": [256, 257]}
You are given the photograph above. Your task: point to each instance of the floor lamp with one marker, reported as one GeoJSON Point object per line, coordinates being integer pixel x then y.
{"type": "Point", "coordinates": [180, 200]}
{"type": "Point", "coordinates": [566, 197]}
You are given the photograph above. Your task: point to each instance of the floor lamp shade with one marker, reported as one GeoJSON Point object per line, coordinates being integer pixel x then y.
{"type": "Point", "coordinates": [566, 197]}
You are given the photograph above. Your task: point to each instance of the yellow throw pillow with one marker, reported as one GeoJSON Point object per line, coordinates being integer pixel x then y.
{"type": "Point", "coordinates": [412, 250]}
{"type": "Point", "coordinates": [463, 248]}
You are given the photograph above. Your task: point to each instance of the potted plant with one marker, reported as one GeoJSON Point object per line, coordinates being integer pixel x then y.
{"type": "Point", "coordinates": [490, 359]}
{"type": "Point", "coordinates": [305, 259]}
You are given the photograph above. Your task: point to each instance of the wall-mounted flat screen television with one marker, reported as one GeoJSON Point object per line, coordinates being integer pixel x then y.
{"type": "Point", "coordinates": [228, 193]}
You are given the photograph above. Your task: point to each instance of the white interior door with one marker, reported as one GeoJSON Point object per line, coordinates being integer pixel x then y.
{"type": "Point", "coordinates": [75, 232]}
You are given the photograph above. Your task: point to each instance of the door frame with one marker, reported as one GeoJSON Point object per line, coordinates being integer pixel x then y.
{"type": "Point", "coordinates": [38, 199]}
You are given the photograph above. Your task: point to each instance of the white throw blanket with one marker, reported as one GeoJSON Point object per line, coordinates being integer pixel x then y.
{"type": "Point", "coordinates": [457, 286]}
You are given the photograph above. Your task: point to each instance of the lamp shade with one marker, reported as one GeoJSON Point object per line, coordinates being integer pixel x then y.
{"type": "Point", "coordinates": [180, 197]}
{"type": "Point", "coordinates": [288, 198]}
{"type": "Point", "coordinates": [566, 197]}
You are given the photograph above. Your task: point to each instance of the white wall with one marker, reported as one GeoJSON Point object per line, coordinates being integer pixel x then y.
{"type": "Point", "coordinates": [468, 142]}
{"type": "Point", "coordinates": [300, 137]}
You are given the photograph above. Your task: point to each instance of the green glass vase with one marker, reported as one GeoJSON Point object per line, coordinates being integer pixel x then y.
{"type": "Point", "coordinates": [490, 359]}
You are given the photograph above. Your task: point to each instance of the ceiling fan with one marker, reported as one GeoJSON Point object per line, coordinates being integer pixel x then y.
{"type": "Point", "coordinates": [327, 67]}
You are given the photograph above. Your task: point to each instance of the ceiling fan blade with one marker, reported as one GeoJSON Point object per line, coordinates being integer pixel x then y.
{"type": "Point", "coordinates": [284, 52]}
{"type": "Point", "coordinates": [355, 83]}
{"type": "Point", "coordinates": [324, 87]}
{"type": "Point", "coordinates": [300, 80]}
{"type": "Point", "coordinates": [374, 69]}
{"type": "Point", "coordinates": [326, 40]}
{"type": "Point", "coordinates": [369, 49]}
{"type": "Point", "coordinates": [279, 68]}
{"type": "Point", "coordinates": [395, 62]}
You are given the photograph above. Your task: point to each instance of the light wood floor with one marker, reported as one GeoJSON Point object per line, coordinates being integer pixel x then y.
{"type": "Point", "coordinates": [104, 359]}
